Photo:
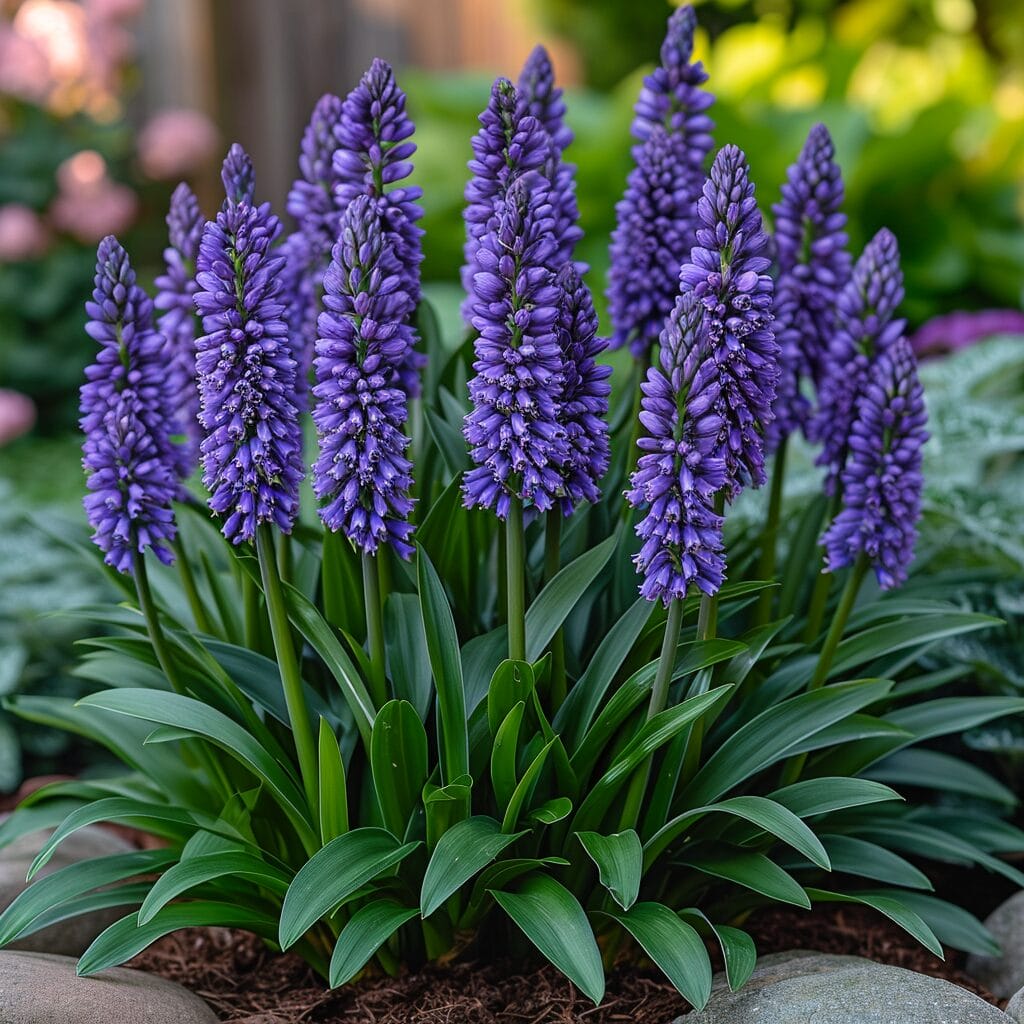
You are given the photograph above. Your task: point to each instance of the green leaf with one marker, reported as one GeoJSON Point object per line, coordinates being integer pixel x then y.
{"type": "Point", "coordinates": [367, 930]}
{"type": "Point", "coordinates": [619, 859]}
{"type": "Point", "coordinates": [512, 682]}
{"type": "Point", "coordinates": [398, 762]}
{"type": "Point", "coordinates": [446, 664]}
{"type": "Point", "coordinates": [525, 787]}
{"type": "Point", "coordinates": [50, 892]}
{"type": "Point", "coordinates": [126, 938]}
{"type": "Point", "coordinates": [768, 737]}
{"type": "Point", "coordinates": [551, 811]}
{"type": "Point", "coordinates": [869, 860]}
{"type": "Point", "coordinates": [819, 796]}
{"type": "Point", "coordinates": [408, 664]}
{"type": "Point", "coordinates": [466, 848]}
{"type": "Point", "coordinates": [674, 946]}
{"type": "Point", "coordinates": [342, 584]}
{"type": "Point", "coordinates": [503, 757]}
{"type": "Point", "coordinates": [332, 791]}
{"type": "Point", "coordinates": [752, 870]}
{"type": "Point", "coordinates": [737, 947]}
{"type": "Point", "coordinates": [196, 871]}
{"type": "Point", "coordinates": [553, 920]}
{"type": "Point", "coordinates": [953, 926]}
{"type": "Point", "coordinates": [893, 909]}
{"type": "Point", "coordinates": [932, 769]}
{"type": "Point", "coordinates": [553, 604]}
{"type": "Point", "coordinates": [333, 874]}
{"type": "Point", "coordinates": [130, 895]}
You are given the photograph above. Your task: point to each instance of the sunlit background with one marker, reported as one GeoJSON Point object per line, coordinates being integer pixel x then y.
{"type": "Point", "coordinates": [106, 104]}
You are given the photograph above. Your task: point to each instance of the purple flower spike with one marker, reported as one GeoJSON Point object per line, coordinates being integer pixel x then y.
{"type": "Point", "coordinates": [727, 274]}
{"type": "Point", "coordinates": [653, 235]}
{"type": "Point", "coordinates": [584, 398]}
{"type": "Point", "coordinates": [238, 175]}
{"type": "Point", "coordinates": [311, 199]}
{"type": "Point", "coordinates": [374, 139]}
{"type": "Point", "coordinates": [810, 243]}
{"type": "Point", "coordinates": [514, 433]}
{"type": "Point", "coordinates": [680, 470]}
{"type": "Point", "coordinates": [128, 456]}
{"type": "Point", "coordinates": [176, 289]}
{"type": "Point", "coordinates": [541, 98]}
{"type": "Point", "coordinates": [865, 327]}
{"type": "Point", "coordinates": [252, 451]}
{"type": "Point", "coordinates": [882, 479]}
{"type": "Point", "coordinates": [672, 95]}
{"type": "Point", "coordinates": [363, 474]}
{"type": "Point", "coordinates": [508, 145]}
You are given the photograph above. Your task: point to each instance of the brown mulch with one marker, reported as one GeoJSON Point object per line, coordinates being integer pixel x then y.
{"type": "Point", "coordinates": [247, 984]}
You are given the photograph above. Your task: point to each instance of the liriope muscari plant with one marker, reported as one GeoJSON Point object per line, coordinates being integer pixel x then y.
{"type": "Point", "coordinates": [420, 714]}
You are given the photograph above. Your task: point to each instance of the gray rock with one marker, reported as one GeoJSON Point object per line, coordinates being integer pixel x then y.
{"type": "Point", "coordinates": [801, 987]}
{"type": "Point", "coordinates": [1015, 1007]}
{"type": "Point", "coordinates": [1003, 975]}
{"type": "Point", "coordinates": [37, 988]}
{"type": "Point", "coordinates": [71, 937]}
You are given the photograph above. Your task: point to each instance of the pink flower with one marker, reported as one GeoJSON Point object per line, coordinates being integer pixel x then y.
{"type": "Point", "coordinates": [17, 415]}
{"type": "Point", "coordinates": [91, 204]}
{"type": "Point", "coordinates": [176, 143]}
{"type": "Point", "coordinates": [22, 233]}
{"type": "Point", "coordinates": [24, 68]}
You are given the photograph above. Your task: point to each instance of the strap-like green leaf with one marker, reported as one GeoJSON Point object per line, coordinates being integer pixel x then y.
{"type": "Point", "coordinates": [674, 946]}
{"type": "Point", "coordinates": [335, 873]}
{"type": "Point", "coordinates": [738, 950]}
{"type": "Point", "coordinates": [398, 759]}
{"type": "Point", "coordinates": [751, 870]}
{"type": "Point", "coordinates": [333, 794]}
{"type": "Point", "coordinates": [553, 920]}
{"type": "Point", "coordinates": [620, 860]}
{"type": "Point", "coordinates": [819, 796]}
{"type": "Point", "coordinates": [466, 848]}
{"type": "Point", "coordinates": [369, 928]}
{"type": "Point", "coordinates": [503, 756]}
{"type": "Point", "coordinates": [893, 909]}
{"type": "Point", "coordinates": [858, 857]}
{"type": "Point", "coordinates": [953, 926]}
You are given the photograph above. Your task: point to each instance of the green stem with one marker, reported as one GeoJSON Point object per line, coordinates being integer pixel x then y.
{"type": "Point", "coordinates": [769, 543]}
{"type": "Point", "coordinates": [374, 629]}
{"type": "Point", "coordinates": [284, 557]}
{"type": "Point", "coordinates": [251, 608]}
{"type": "Point", "coordinates": [188, 581]}
{"type": "Point", "coordinates": [515, 558]}
{"type": "Point", "coordinates": [288, 665]}
{"type": "Point", "coordinates": [552, 563]}
{"type": "Point", "coordinates": [835, 632]}
{"type": "Point", "coordinates": [816, 609]}
{"type": "Point", "coordinates": [707, 617]}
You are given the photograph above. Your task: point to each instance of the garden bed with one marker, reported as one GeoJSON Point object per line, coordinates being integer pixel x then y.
{"type": "Point", "coordinates": [247, 984]}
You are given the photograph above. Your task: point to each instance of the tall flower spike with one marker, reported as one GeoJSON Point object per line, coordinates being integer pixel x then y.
{"type": "Point", "coordinates": [584, 398]}
{"type": "Point", "coordinates": [252, 451]}
{"type": "Point", "coordinates": [508, 145]}
{"type": "Point", "coordinates": [653, 235]}
{"type": "Point", "coordinates": [311, 199]}
{"type": "Point", "coordinates": [727, 274]}
{"type": "Point", "coordinates": [672, 95]}
{"type": "Point", "coordinates": [363, 474]}
{"type": "Point", "coordinates": [238, 175]}
{"type": "Point", "coordinates": [680, 470]}
{"type": "Point", "coordinates": [865, 327]}
{"type": "Point", "coordinates": [176, 289]}
{"type": "Point", "coordinates": [810, 244]}
{"type": "Point", "coordinates": [513, 431]}
{"type": "Point", "coordinates": [882, 479]}
{"type": "Point", "coordinates": [127, 453]}
{"type": "Point", "coordinates": [374, 139]}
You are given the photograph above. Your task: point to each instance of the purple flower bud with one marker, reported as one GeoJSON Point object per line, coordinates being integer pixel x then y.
{"type": "Point", "coordinates": [375, 147]}
{"type": "Point", "coordinates": [176, 289]}
{"type": "Point", "coordinates": [726, 272]}
{"type": "Point", "coordinates": [514, 433]}
{"type": "Point", "coordinates": [362, 473]}
{"type": "Point", "coordinates": [654, 231]}
{"type": "Point", "coordinates": [127, 454]}
{"type": "Point", "coordinates": [238, 176]}
{"type": "Point", "coordinates": [584, 398]}
{"type": "Point", "coordinates": [252, 451]}
{"type": "Point", "coordinates": [882, 480]}
{"type": "Point", "coordinates": [864, 328]}
{"type": "Point", "coordinates": [810, 243]}
{"type": "Point", "coordinates": [680, 470]}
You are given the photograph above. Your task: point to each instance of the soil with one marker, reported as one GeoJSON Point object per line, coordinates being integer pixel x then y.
{"type": "Point", "coordinates": [247, 984]}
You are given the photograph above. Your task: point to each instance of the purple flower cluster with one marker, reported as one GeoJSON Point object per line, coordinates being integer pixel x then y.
{"type": "Point", "coordinates": [127, 454]}
{"type": "Point", "coordinates": [653, 235]}
{"type": "Point", "coordinates": [655, 222]}
{"type": "Point", "coordinates": [176, 289]}
{"type": "Point", "coordinates": [514, 432]}
{"type": "Point", "coordinates": [882, 479]}
{"type": "Point", "coordinates": [239, 176]}
{"type": "Point", "coordinates": [810, 243]}
{"type": "Point", "coordinates": [362, 473]}
{"type": "Point", "coordinates": [252, 452]}
{"type": "Point", "coordinates": [583, 402]}
{"type": "Point", "coordinates": [680, 470]}
{"type": "Point", "coordinates": [865, 327]}
{"type": "Point", "coordinates": [727, 274]}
